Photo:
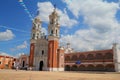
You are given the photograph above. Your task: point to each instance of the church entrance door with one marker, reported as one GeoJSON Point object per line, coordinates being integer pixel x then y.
{"type": "Point", "coordinates": [41, 66]}
{"type": "Point", "coordinates": [23, 65]}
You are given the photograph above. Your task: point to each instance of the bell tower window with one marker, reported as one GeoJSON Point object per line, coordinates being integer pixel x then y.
{"type": "Point", "coordinates": [56, 33]}
{"type": "Point", "coordinates": [33, 27]}
{"type": "Point", "coordinates": [37, 37]}
{"type": "Point", "coordinates": [33, 36]}
{"type": "Point", "coordinates": [51, 22]}
{"type": "Point", "coordinates": [51, 32]}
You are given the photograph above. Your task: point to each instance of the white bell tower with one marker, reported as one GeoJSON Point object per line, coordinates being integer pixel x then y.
{"type": "Point", "coordinates": [36, 34]}
{"type": "Point", "coordinates": [36, 29]}
{"type": "Point", "coordinates": [54, 26]}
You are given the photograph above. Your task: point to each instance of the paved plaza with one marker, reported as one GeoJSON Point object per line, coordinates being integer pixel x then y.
{"type": "Point", "coordinates": [44, 75]}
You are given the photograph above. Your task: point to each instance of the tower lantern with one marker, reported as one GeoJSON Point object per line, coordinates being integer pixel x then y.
{"type": "Point", "coordinates": [53, 28]}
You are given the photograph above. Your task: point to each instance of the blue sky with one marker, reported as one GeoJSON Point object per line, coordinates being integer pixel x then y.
{"type": "Point", "coordinates": [86, 24]}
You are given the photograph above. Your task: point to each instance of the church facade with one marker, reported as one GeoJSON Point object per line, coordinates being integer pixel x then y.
{"type": "Point", "coordinates": [45, 53]}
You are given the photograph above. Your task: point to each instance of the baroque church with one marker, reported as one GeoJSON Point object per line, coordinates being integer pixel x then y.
{"type": "Point", "coordinates": [45, 53]}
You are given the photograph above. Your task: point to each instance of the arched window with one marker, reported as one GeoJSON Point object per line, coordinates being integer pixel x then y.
{"type": "Point", "coordinates": [99, 56]}
{"type": "Point", "coordinates": [33, 36]}
{"type": "Point", "coordinates": [90, 57]}
{"type": "Point", "coordinates": [56, 33]}
{"type": "Point", "coordinates": [51, 22]}
{"type": "Point", "coordinates": [81, 57]}
{"type": "Point", "coordinates": [33, 27]}
{"type": "Point", "coordinates": [67, 58]}
{"type": "Point", "coordinates": [37, 37]}
{"type": "Point", "coordinates": [108, 56]}
{"type": "Point", "coordinates": [74, 58]}
{"type": "Point", "coordinates": [51, 31]}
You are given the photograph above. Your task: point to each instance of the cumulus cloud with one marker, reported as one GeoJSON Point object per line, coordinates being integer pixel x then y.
{"type": "Point", "coordinates": [19, 54]}
{"type": "Point", "coordinates": [46, 8]}
{"type": "Point", "coordinates": [4, 54]}
{"type": "Point", "coordinates": [100, 16]}
{"type": "Point", "coordinates": [21, 46]}
{"type": "Point", "coordinates": [44, 30]}
{"type": "Point", "coordinates": [7, 35]}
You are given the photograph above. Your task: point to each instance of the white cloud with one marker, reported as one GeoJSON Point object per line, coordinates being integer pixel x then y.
{"type": "Point", "coordinates": [18, 55]}
{"type": "Point", "coordinates": [44, 30]}
{"type": "Point", "coordinates": [7, 35]}
{"type": "Point", "coordinates": [84, 40]}
{"type": "Point", "coordinates": [100, 16]}
{"type": "Point", "coordinates": [46, 8]}
{"type": "Point", "coordinates": [4, 54]}
{"type": "Point", "coordinates": [21, 46]}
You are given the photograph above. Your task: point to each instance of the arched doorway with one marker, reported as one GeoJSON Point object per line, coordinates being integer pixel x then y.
{"type": "Point", "coordinates": [23, 64]}
{"type": "Point", "coordinates": [90, 67]}
{"type": "Point", "coordinates": [82, 68]}
{"type": "Point", "coordinates": [99, 67]}
{"type": "Point", "coordinates": [74, 68]}
{"type": "Point", "coordinates": [67, 68]}
{"type": "Point", "coordinates": [110, 67]}
{"type": "Point", "coordinates": [41, 66]}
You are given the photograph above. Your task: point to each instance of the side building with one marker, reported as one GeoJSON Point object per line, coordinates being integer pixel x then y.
{"type": "Point", "coordinates": [6, 62]}
{"type": "Point", "coordinates": [99, 60]}
{"type": "Point", "coordinates": [23, 61]}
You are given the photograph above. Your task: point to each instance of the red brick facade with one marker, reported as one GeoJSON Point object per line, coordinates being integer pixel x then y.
{"type": "Point", "coordinates": [101, 60]}
{"type": "Point", "coordinates": [31, 57]}
{"type": "Point", "coordinates": [60, 58]}
{"type": "Point", "coordinates": [52, 53]}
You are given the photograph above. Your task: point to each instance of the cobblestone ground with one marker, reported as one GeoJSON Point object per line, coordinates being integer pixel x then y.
{"type": "Point", "coordinates": [42, 75]}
